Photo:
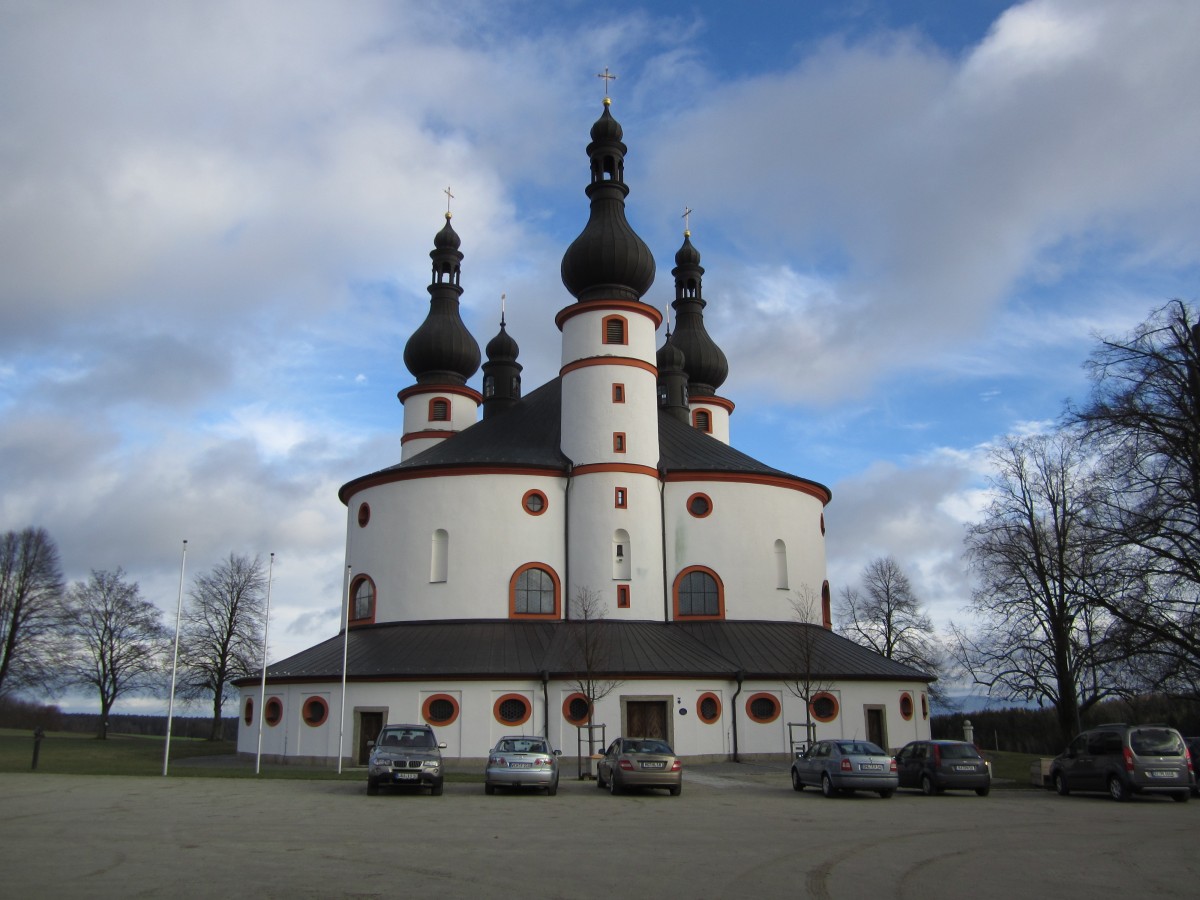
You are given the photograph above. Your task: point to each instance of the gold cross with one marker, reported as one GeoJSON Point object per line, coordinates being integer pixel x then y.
{"type": "Point", "coordinates": [687, 227]}
{"type": "Point", "coordinates": [607, 78]}
{"type": "Point", "coordinates": [449, 197]}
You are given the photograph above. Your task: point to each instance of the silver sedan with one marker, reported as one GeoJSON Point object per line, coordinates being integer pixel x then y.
{"type": "Point", "coordinates": [521, 760]}
{"type": "Point", "coordinates": [837, 766]}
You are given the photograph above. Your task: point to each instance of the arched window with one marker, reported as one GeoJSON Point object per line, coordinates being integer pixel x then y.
{"type": "Point", "coordinates": [615, 330]}
{"type": "Point", "coordinates": [439, 410]}
{"type": "Point", "coordinates": [362, 600]}
{"type": "Point", "coordinates": [533, 591]}
{"type": "Point", "coordinates": [826, 607]}
{"type": "Point", "coordinates": [439, 557]}
{"type": "Point", "coordinates": [924, 707]}
{"type": "Point", "coordinates": [781, 573]}
{"type": "Point", "coordinates": [622, 563]}
{"type": "Point", "coordinates": [699, 593]}
{"type": "Point", "coordinates": [702, 421]}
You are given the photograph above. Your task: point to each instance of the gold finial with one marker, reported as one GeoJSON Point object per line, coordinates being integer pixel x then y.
{"type": "Point", "coordinates": [687, 227]}
{"type": "Point", "coordinates": [607, 76]}
{"type": "Point", "coordinates": [449, 197]}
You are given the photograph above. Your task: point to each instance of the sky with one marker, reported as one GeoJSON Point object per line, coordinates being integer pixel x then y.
{"type": "Point", "coordinates": [915, 218]}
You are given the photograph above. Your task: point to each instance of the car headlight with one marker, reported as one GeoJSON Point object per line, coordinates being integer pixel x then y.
{"type": "Point", "coordinates": [431, 764]}
{"type": "Point", "coordinates": [382, 761]}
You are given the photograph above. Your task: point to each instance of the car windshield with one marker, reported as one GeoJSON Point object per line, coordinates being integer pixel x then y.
{"type": "Point", "coordinates": [1155, 742]}
{"type": "Point", "coordinates": [648, 746]}
{"type": "Point", "coordinates": [400, 739]}
{"type": "Point", "coordinates": [859, 748]}
{"type": "Point", "coordinates": [959, 751]}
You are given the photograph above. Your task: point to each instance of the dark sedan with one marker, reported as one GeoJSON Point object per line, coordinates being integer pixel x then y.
{"type": "Point", "coordinates": [937, 766]}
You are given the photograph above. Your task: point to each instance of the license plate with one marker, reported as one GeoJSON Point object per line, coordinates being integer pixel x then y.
{"type": "Point", "coordinates": [872, 767]}
{"type": "Point", "coordinates": [1162, 774]}
{"type": "Point", "coordinates": [520, 765]}
{"type": "Point", "coordinates": [964, 768]}
{"type": "Point", "coordinates": [405, 776]}
{"type": "Point", "coordinates": [653, 765]}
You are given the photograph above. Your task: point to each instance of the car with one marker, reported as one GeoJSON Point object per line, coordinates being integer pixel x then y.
{"type": "Point", "coordinates": [1125, 760]}
{"type": "Point", "coordinates": [1193, 745]}
{"type": "Point", "coordinates": [937, 766]}
{"type": "Point", "coordinates": [520, 760]}
{"type": "Point", "coordinates": [632, 762]}
{"type": "Point", "coordinates": [405, 756]}
{"type": "Point", "coordinates": [845, 766]}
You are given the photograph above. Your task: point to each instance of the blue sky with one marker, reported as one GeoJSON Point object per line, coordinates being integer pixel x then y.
{"type": "Point", "coordinates": [216, 218]}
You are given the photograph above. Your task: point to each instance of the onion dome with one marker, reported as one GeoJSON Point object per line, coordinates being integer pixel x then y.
{"type": "Point", "coordinates": [608, 260]}
{"type": "Point", "coordinates": [705, 363]}
{"type": "Point", "coordinates": [441, 350]}
{"type": "Point", "coordinates": [672, 380]}
{"type": "Point", "coordinates": [501, 373]}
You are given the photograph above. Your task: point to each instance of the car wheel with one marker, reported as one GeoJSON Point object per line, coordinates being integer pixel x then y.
{"type": "Point", "coordinates": [1117, 789]}
{"type": "Point", "coordinates": [552, 790]}
{"type": "Point", "coordinates": [1182, 796]}
{"type": "Point", "coordinates": [827, 787]}
{"type": "Point", "coordinates": [436, 790]}
{"type": "Point", "coordinates": [983, 792]}
{"type": "Point", "coordinates": [489, 789]}
{"type": "Point", "coordinates": [886, 794]}
{"type": "Point", "coordinates": [1060, 784]}
{"type": "Point", "coordinates": [927, 787]}
{"type": "Point", "coordinates": [372, 787]}
{"type": "Point", "coordinates": [612, 786]}
{"type": "Point", "coordinates": [675, 791]}
{"type": "Point", "coordinates": [797, 784]}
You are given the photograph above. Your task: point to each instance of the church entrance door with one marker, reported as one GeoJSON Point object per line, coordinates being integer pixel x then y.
{"type": "Point", "coordinates": [646, 718]}
{"type": "Point", "coordinates": [876, 728]}
{"type": "Point", "coordinates": [369, 726]}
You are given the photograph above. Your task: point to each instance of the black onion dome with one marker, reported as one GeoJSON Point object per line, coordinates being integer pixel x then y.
{"type": "Point", "coordinates": [669, 357]}
{"type": "Point", "coordinates": [705, 363]}
{"type": "Point", "coordinates": [502, 348]}
{"type": "Point", "coordinates": [441, 350]}
{"type": "Point", "coordinates": [608, 260]}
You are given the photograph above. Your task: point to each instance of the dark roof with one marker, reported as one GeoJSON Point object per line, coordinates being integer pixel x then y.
{"type": "Point", "coordinates": [527, 435]}
{"type": "Point", "coordinates": [526, 649]}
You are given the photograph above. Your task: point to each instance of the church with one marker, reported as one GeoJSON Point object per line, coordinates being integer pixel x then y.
{"type": "Point", "coordinates": [589, 558]}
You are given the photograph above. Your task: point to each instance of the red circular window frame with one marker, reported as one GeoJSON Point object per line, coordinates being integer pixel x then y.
{"type": "Point", "coordinates": [535, 493]}
{"type": "Point", "coordinates": [429, 701]}
{"type": "Point", "coordinates": [273, 711]}
{"type": "Point", "coordinates": [707, 499]}
{"type": "Point", "coordinates": [566, 709]}
{"type": "Point", "coordinates": [709, 695]}
{"type": "Point", "coordinates": [364, 514]}
{"type": "Point", "coordinates": [906, 706]}
{"type": "Point", "coordinates": [514, 722]}
{"type": "Point", "coordinates": [824, 695]}
{"type": "Point", "coordinates": [248, 715]}
{"type": "Point", "coordinates": [763, 695]}
{"type": "Point", "coordinates": [309, 721]}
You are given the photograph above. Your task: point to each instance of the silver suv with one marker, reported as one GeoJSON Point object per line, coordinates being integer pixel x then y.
{"type": "Point", "coordinates": [405, 756]}
{"type": "Point", "coordinates": [1125, 760]}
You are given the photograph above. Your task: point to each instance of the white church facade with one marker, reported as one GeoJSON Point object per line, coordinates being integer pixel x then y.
{"type": "Point", "coordinates": [591, 551]}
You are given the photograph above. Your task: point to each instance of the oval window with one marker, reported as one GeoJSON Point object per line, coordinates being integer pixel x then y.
{"type": "Point", "coordinates": [440, 709]}
{"type": "Point", "coordinates": [512, 709]}
{"type": "Point", "coordinates": [824, 707]}
{"type": "Point", "coordinates": [763, 708]}
{"type": "Point", "coordinates": [316, 711]}
{"type": "Point", "coordinates": [273, 711]}
{"type": "Point", "coordinates": [708, 708]}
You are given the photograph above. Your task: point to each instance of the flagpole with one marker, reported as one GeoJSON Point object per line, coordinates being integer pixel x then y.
{"type": "Point", "coordinates": [174, 661]}
{"type": "Point", "coordinates": [262, 694]}
{"type": "Point", "coordinates": [345, 656]}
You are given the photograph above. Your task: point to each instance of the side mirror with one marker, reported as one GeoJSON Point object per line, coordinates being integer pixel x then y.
{"type": "Point", "coordinates": [442, 745]}
{"type": "Point", "coordinates": [558, 753]}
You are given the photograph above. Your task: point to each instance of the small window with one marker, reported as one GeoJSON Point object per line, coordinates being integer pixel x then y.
{"type": "Point", "coordinates": [273, 711]}
{"type": "Point", "coordinates": [826, 606]}
{"type": "Point", "coordinates": [824, 707]}
{"type": "Point", "coordinates": [439, 410]}
{"type": "Point", "coordinates": [762, 708]}
{"type": "Point", "coordinates": [362, 599]}
{"type": "Point", "coordinates": [316, 711]}
{"type": "Point", "coordinates": [439, 709]}
{"type": "Point", "coordinates": [906, 706]}
{"type": "Point", "coordinates": [621, 498]}
{"type": "Point", "coordinates": [702, 421]}
{"type": "Point", "coordinates": [699, 505]}
{"type": "Point", "coordinates": [618, 442]}
{"type": "Point", "coordinates": [708, 708]}
{"type": "Point", "coordinates": [576, 709]}
{"type": "Point", "coordinates": [512, 710]}
{"type": "Point", "coordinates": [534, 502]}
{"type": "Point", "coordinates": [781, 566]}
{"type": "Point", "coordinates": [248, 715]}
{"type": "Point", "coordinates": [439, 556]}
{"type": "Point", "coordinates": [623, 596]}
{"type": "Point", "coordinates": [364, 514]}
{"type": "Point", "coordinates": [614, 330]}
{"type": "Point", "coordinates": [618, 393]}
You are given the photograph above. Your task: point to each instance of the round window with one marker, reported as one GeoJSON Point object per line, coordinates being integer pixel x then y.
{"type": "Point", "coordinates": [512, 709]}
{"type": "Point", "coordinates": [273, 711]}
{"type": "Point", "coordinates": [906, 705]}
{"type": "Point", "coordinates": [708, 708]}
{"type": "Point", "coordinates": [763, 708]}
{"type": "Point", "coordinates": [249, 714]}
{"type": "Point", "coordinates": [440, 709]}
{"type": "Point", "coordinates": [534, 502]}
{"type": "Point", "coordinates": [824, 707]}
{"type": "Point", "coordinates": [576, 709]}
{"type": "Point", "coordinates": [316, 711]}
{"type": "Point", "coordinates": [699, 505]}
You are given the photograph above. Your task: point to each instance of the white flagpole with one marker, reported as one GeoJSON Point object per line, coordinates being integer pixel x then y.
{"type": "Point", "coordinates": [345, 655]}
{"type": "Point", "coordinates": [174, 661]}
{"type": "Point", "coordinates": [262, 694]}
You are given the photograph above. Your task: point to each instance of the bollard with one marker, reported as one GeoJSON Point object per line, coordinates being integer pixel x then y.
{"type": "Point", "coordinates": [38, 734]}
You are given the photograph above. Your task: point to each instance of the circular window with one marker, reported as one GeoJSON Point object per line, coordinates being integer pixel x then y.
{"type": "Point", "coordinates": [364, 514]}
{"type": "Point", "coordinates": [763, 708]}
{"type": "Point", "coordinates": [316, 711]}
{"type": "Point", "coordinates": [512, 709]}
{"type": "Point", "coordinates": [699, 505]}
{"type": "Point", "coordinates": [708, 708]}
{"type": "Point", "coordinates": [534, 502]}
{"type": "Point", "coordinates": [440, 709]}
{"type": "Point", "coordinates": [906, 705]}
{"type": "Point", "coordinates": [248, 715]}
{"type": "Point", "coordinates": [576, 709]}
{"type": "Point", "coordinates": [273, 711]}
{"type": "Point", "coordinates": [924, 707]}
{"type": "Point", "coordinates": [824, 707]}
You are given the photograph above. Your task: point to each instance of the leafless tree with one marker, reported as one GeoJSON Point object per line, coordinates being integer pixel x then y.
{"type": "Point", "coordinates": [887, 617]}
{"type": "Point", "coordinates": [1144, 418]}
{"type": "Point", "coordinates": [110, 639]}
{"type": "Point", "coordinates": [1038, 561]}
{"type": "Point", "coordinates": [806, 679]}
{"type": "Point", "coordinates": [31, 588]}
{"type": "Point", "coordinates": [590, 638]}
{"type": "Point", "coordinates": [222, 630]}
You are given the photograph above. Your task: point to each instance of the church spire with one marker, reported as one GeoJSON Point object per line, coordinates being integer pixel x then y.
{"type": "Point", "coordinates": [704, 361]}
{"type": "Point", "coordinates": [501, 372]}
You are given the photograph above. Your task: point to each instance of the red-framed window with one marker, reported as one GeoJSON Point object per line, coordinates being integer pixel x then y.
{"type": "Point", "coordinates": [439, 410]}
{"type": "Point", "coordinates": [708, 708]}
{"type": "Point", "coordinates": [362, 600]}
{"type": "Point", "coordinates": [702, 421]}
{"type": "Point", "coordinates": [906, 706]}
{"type": "Point", "coordinates": [763, 707]}
{"type": "Point", "coordinates": [616, 330]}
{"type": "Point", "coordinates": [512, 710]}
{"type": "Point", "coordinates": [440, 709]}
{"type": "Point", "coordinates": [618, 393]}
{"type": "Point", "coordinates": [621, 498]}
{"type": "Point", "coordinates": [699, 506]}
{"type": "Point", "coordinates": [623, 596]}
{"type": "Point", "coordinates": [534, 502]}
{"type": "Point", "coordinates": [618, 442]}
{"type": "Point", "coordinates": [698, 593]}
{"type": "Point", "coordinates": [576, 709]}
{"type": "Point", "coordinates": [824, 706]}
{"type": "Point", "coordinates": [534, 592]}
{"type": "Point", "coordinates": [273, 711]}
{"type": "Point", "coordinates": [315, 711]}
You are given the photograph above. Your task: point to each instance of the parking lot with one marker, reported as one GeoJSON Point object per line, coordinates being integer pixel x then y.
{"type": "Point", "coordinates": [736, 831]}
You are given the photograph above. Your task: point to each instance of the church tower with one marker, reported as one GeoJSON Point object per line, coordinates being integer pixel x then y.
{"type": "Point", "coordinates": [609, 400]}
{"type": "Point", "coordinates": [441, 355]}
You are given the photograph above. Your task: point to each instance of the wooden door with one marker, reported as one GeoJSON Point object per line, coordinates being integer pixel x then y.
{"type": "Point", "coordinates": [876, 732]}
{"type": "Point", "coordinates": [646, 718]}
{"type": "Point", "coordinates": [369, 726]}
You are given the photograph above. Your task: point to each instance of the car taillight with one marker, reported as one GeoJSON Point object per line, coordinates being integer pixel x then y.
{"type": "Point", "coordinates": [543, 762]}
{"type": "Point", "coordinates": [497, 761]}
{"type": "Point", "coordinates": [1187, 754]}
{"type": "Point", "coordinates": [626, 765]}
{"type": "Point", "coordinates": [846, 767]}
{"type": "Point", "coordinates": [1128, 758]}
{"type": "Point", "coordinates": [677, 765]}
{"type": "Point", "coordinates": [892, 767]}
{"type": "Point", "coordinates": [937, 755]}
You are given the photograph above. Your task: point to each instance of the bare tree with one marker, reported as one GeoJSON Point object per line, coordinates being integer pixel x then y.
{"type": "Point", "coordinates": [222, 630]}
{"type": "Point", "coordinates": [31, 587]}
{"type": "Point", "coordinates": [1038, 562]}
{"type": "Point", "coordinates": [110, 639]}
{"type": "Point", "coordinates": [887, 617]}
{"type": "Point", "coordinates": [806, 679]}
{"type": "Point", "coordinates": [1144, 418]}
{"type": "Point", "coordinates": [591, 644]}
